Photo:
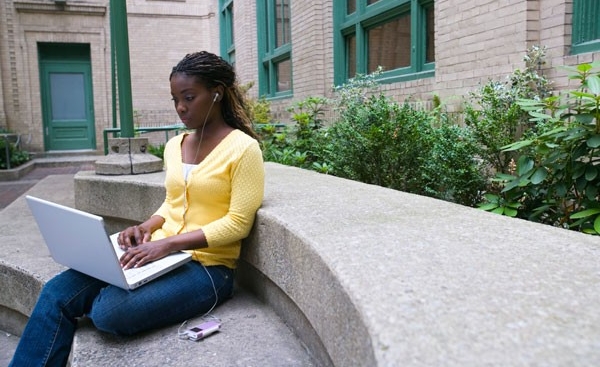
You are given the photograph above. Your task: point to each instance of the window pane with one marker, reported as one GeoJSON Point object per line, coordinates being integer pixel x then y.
{"type": "Point", "coordinates": [372, 2]}
{"type": "Point", "coordinates": [389, 44]}
{"type": "Point", "coordinates": [284, 75]}
{"type": "Point", "coordinates": [351, 56]}
{"type": "Point", "coordinates": [67, 95]}
{"type": "Point", "coordinates": [586, 21]}
{"type": "Point", "coordinates": [429, 41]}
{"type": "Point", "coordinates": [350, 6]}
{"type": "Point", "coordinates": [282, 19]}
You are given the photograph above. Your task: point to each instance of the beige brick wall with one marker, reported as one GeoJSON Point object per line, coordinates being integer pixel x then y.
{"type": "Point", "coordinates": [475, 42]}
{"type": "Point", "coordinates": [312, 54]}
{"type": "Point", "coordinates": [160, 34]}
{"type": "Point", "coordinates": [245, 44]}
{"type": "Point", "coordinates": [33, 26]}
{"type": "Point", "coordinates": [311, 27]}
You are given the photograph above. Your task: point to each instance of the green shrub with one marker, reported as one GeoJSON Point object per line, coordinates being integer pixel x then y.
{"type": "Point", "coordinates": [16, 156]}
{"type": "Point", "coordinates": [451, 171]}
{"type": "Point", "coordinates": [494, 116]}
{"type": "Point", "coordinates": [299, 144]}
{"type": "Point", "coordinates": [158, 151]}
{"type": "Point", "coordinates": [557, 178]}
{"type": "Point", "coordinates": [378, 141]}
{"type": "Point", "coordinates": [260, 110]}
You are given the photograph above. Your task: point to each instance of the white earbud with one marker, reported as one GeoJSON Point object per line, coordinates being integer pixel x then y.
{"type": "Point", "coordinates": [216, 96]}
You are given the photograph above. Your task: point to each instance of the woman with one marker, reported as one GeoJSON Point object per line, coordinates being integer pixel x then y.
{"type": "Point", "coordinates": [214, 186]}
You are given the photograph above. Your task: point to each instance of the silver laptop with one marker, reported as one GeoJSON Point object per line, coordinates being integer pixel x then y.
{"type": "Point", "coordinates": [79, 241]}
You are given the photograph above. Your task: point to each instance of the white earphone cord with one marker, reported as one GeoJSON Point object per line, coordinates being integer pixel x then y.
{"type": "Point", "coordinates": [179, 332]}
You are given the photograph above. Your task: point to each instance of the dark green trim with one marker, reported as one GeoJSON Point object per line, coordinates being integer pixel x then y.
{"type": "Point", "coordinates": [66, 134]}
{"type": "Point", "coordinates": [268, 54]}
{"type": "Point", "coordinates": [64, 52]}
{"type": "Point", "coordinates": [340, 56]}
{"type": "Point", "coordinates": [367, 17]}
{"type": "Point", "coordinates": [261, 20]}
{"type": "Point", "coordinates": [227, 42]}
{"type": "Point", "coordinates": [118, 16]}
{"type": "Point", "coordinates": [586, 26]}
{"type": "Point", "coordinates": [586, 47]}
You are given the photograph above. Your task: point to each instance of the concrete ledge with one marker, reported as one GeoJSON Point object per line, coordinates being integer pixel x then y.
{"type": "Point", "coordinates": [25, 265]}
{"type": "Point", "coordinates": [120, 200]}
{"type": "Point", "coordinates": [17, 172]}
{"type": "Point", "coordinates": [375, 277]}
{"type": "Point", "coordinates": [57, 161]}
{"type": "Point", "coordinates": [19, 290]}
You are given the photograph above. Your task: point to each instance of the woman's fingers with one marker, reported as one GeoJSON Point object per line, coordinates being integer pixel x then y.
{"type": "Point", "coordinates": [138, 256]}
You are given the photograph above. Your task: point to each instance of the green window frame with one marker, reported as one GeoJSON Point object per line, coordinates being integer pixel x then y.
{"type": "Point", "coordinates": [227, 38]}
{"type": "Point", "coordinates": [586, 26]}
{"type": "Point", "coordinates": [365, 31]}
{"type": "Point", "coordinates": [274, 48]}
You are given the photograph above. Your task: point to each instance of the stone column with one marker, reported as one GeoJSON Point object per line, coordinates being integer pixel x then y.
{"type": "Point", "coordinates": [128, 156]}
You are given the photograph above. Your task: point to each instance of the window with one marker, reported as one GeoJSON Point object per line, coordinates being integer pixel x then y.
{"type": "Point", "coordinates": [586, 26]}
{"type": "Point", "coordinates": [274, 48]}
{"type": "Point", "coordinates": [227, 36]}
{"type": "Point", "coordinates": [397, 35]}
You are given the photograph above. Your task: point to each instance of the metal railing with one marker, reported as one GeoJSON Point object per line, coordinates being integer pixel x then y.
{"type": "Point", "coordinates": [142, 129]}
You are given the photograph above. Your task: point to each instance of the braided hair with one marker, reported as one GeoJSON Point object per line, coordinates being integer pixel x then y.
{"type": "Point", "coordinates": [211, 70]}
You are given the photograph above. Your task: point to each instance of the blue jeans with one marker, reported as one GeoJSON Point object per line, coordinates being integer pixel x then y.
{"type": "Point", "coordinates": [172, 298]}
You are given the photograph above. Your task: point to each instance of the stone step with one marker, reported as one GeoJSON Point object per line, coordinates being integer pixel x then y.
{"type": "Point", "coordinates": [252, 334]}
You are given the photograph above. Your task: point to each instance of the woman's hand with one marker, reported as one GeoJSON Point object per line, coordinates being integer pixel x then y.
{"type": "Point", "coordinates": [133, 236]}
{"type": "Point", "coordinates": [139, 255]}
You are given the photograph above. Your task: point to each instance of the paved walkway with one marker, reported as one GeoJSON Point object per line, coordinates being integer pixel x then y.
{"type": "Point", "coordinates": [10, 191]}
{"type": "Point", "coordinates": [8, 344]}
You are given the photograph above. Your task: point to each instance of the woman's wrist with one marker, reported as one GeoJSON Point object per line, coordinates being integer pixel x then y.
{"type": "Point", "coordinates": [155, 222]}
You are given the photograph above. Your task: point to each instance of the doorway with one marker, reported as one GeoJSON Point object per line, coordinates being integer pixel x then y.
{"type": "Point", "coordinates": [67, 96]}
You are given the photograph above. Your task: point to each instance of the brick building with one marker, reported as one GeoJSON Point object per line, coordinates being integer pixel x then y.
{"type": "Point", "coordinates": [55, 65]}
{"type": "Point", "coordinates": [289, 49]}
{"type": "Point", "coordinates": [447, 47]}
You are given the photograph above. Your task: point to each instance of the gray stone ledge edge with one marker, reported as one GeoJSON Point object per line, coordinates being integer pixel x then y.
{"type": "Point", "coordinates": [383, 278]}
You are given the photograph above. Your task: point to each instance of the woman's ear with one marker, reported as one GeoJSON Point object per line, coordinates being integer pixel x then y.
{"type": "Point", "coordinates": [218, 94]}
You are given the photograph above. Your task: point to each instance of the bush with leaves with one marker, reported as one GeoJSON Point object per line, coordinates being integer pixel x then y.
{"type": "Point", "coordinates": [157, 150]}
{"type": "Point", "coordinates": [308, 128]}
{"type": "Point", "coordinates": [451, 172]}
{"type": "Point", "coordinates": [557, 175]}
{"type": "Point", "coordinates": [299, 144]}
{"type": "Point", "coordinates": [16, 156]}
{"type": "Point", "coordinates": [495, 117]}
{"type": "Point", "coordinates": [381, 142]}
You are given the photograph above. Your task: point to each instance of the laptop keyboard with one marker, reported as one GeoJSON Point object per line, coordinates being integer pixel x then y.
{"type": "Point", "coordinates": [134, 273]}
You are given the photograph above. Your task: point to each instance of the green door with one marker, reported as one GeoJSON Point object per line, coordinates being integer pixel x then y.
{"type": "Point", "coordinates": [67, 103]}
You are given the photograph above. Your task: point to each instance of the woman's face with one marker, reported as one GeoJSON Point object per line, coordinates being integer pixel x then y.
{"type": "Point", "coordinates": [192, 101]}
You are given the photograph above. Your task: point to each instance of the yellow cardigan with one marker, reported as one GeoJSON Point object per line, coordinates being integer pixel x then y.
{"type": "Point", "coordinates": [221, 196]}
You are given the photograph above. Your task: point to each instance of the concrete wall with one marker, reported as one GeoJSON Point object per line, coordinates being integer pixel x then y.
{"type": "Point", "coordinates": [368, 276]}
